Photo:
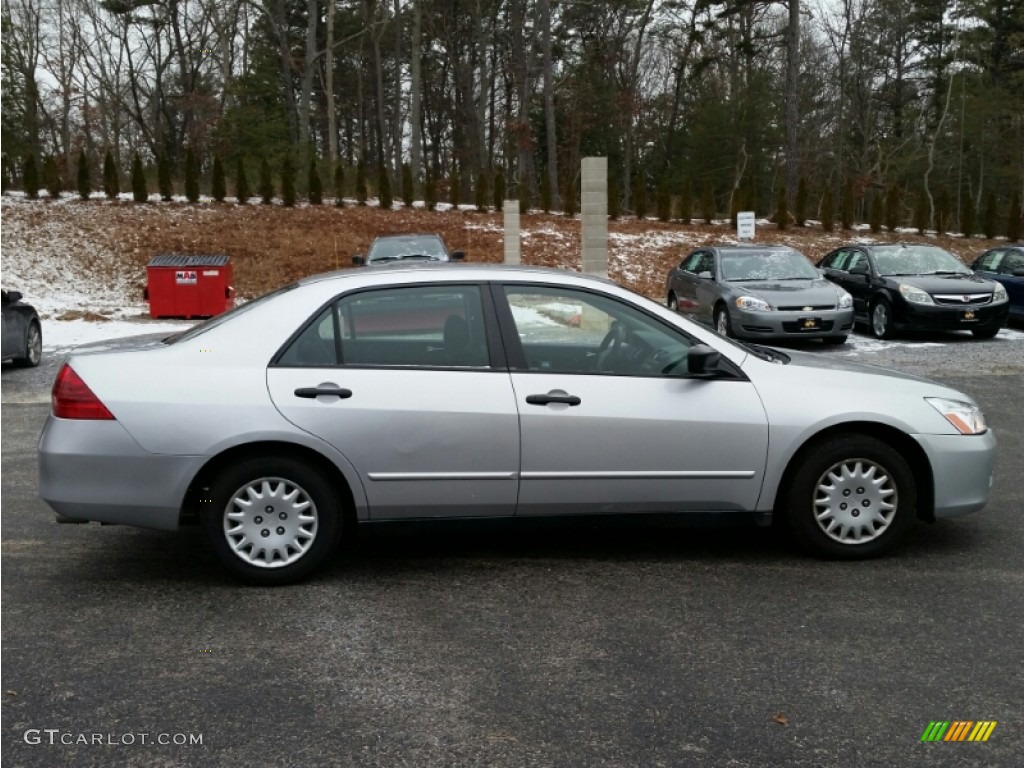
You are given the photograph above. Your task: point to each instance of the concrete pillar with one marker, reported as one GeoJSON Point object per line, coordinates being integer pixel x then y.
{"type": "Point", "coordinates": [594, 218]}
{"type": "Point", "coordinates": [512, 232]}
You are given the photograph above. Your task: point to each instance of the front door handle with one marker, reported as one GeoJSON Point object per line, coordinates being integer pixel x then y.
{"type": "Point", "coordinates": [313, 392]}
{"type": "Point", "coordinates": [547, 399]}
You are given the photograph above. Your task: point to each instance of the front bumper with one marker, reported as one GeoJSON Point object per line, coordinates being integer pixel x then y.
{"type": "Point", "coordinates": [962, 470]}
{"type": "Point", "coordinates": [815, 324]}
{"type": "Point", "coordinates": [949, 317]}
{"type": "Point", "coordinates": [96, 471]}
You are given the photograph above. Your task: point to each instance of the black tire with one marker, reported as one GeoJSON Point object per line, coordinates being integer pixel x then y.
{"type": "Point", "coordinates": [985, 333]}
{"type": "Point", "coordinates": [673, 302]}
{"type": "Point", "coordinates": [723, 324]}
{"type": "Point", "coordinates": [310, 543]}
{"type": "Point", "coordinates": [33, 347]}
{"type": "Point", "coordinates": [880, 319]}
{"type": "Point", "coordinates": [865, 528]}
{"type": "Point", "coordinates": [837, 340]}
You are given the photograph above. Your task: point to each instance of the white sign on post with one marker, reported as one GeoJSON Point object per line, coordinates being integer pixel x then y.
{"type": "Point", "coordinates": [745, 225]}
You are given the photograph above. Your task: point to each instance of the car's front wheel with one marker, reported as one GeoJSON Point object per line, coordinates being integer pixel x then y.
{"type": "Point", "coordinates": [272, 520]}
{"type": "Point", "coordinates": [33, 347]}
{"type": "Point", "coordinates": [852, 497]}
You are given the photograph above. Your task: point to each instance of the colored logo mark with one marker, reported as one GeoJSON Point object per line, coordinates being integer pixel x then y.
{"type": "Point", "coordinates": [958, 730]}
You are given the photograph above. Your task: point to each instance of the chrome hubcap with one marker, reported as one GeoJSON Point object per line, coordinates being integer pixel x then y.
{"type": "Point", "coordinates": [881, 319]}
{"type": "Point", "coordinates": [855, 501]}
{"type": "Point", "coordinates": [35, 345]}
{"type": "Point", "coordinates": [270, 522]}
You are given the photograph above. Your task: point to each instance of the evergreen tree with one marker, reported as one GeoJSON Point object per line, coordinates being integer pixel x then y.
{"type": "Point", "coordinates": [339, 185]}
{"type": "Point", "coordinates": [51, 176]}
{"type": "Point", "coordinates": [686, 202]}
{"type": "Point", "coordinates": [242, 191]}
{"type": "Point", "coordinates": [990, 219]}
{"type": "Point", "coordinates": [500, 190]}
{"type": "Point", "coordinates": [847, 203]}
{"type": "Point", "coordinates": [361, 183]}
{"type": "Point", "coordinates": [876, 213]}
{"type": "Point", "coordinates": [569, 197]}
{"type": "Point", "coordinates": [84, 184]}
{"type": "Point", "coordinates": [664, 200]}
{"type": "Point", "coordinates": [707, 203]}
{"type": "Point", "coordinates": [967, 219]}
{"type": "Point", "coordinates": [481, 192]}
{"type": "Point", "coordinates": [407, 186]}
{"type": "Point", "coordinates": [640, 196]}
{"type": "Point", "coordinates": [266, 189]}
{"type": "Point", "coordinates": [191, 176]}
{"type": "Point", "coordinates": [1013, 219]}
{"type": "Point", "coordinates": [140, 194]}
{"type": "Point", "coordinates": [943, 212]}
{"type": "Point", "coordinates": [614, 199]}
{"type": "Point", "coordinates": [893, 207]}
{"type": "Point", "coordinates": [219, 184]}
{"type": "Point", "coordinates": [288, 195]}
{"type": "Point", "coordinates": [828, 210]}
{"type": "Point", "coordinates": [315, 190]}
{"type": "Point", "coordinates": [163, 172]}
{"type": "Point", "coordinates": [921, 212]}
{"type": "Point", "coordinates": [781, 211]}
{"type": "Point", "coordinates": [430, 191]}
{"type": "Point", "coordinates": [30, 177]}
{"type": "Point", "coordinates": [800, 205]}
{"type": "Point", "coordinates": [455, 188]}
{"type": "Point", "coordinates": [545, 192]}
{"type": "Point", "coordinates": [111, 177]}
{"type": "Point", "coordinates": [387, 200]}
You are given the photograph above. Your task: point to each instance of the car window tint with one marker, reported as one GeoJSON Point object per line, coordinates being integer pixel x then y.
{"type": "Point", "coordinates": [1014, 260]}
{"type": "Point", "coordinates": [690, 265]}
{"type": "Point", "coordinates": [315, 346]}
{"type": "Point", "coordinates": [707, 263]}
{"type": "Point", "coordinates": [432, 326]}
{"type": "Point", "coordinates": [563, 331]}
{"type": "Point", "coordinates": [857, 259]}
{"type": "Point", "coordinates": [990, 261]}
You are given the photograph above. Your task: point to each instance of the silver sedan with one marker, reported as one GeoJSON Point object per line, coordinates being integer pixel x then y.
{"type": "Point", "coordinates": [476, 391]}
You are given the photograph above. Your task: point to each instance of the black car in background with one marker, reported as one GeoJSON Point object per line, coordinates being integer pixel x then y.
{"type": "Point", "coordinates": [903, 287]}
{"type": "Point", "coordinates": [1005, 265]}
{"type": "Point", "coordinates": [23, 333]}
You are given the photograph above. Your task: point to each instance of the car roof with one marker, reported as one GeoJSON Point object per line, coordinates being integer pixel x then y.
{"type": "Point", "coordinates": [444, 270]}
{"type": "Point", "coordinates": [409, 236]}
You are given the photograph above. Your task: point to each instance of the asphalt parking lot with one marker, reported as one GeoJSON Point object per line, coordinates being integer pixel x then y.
{"type": "Point", "coordinates": [591, 645]}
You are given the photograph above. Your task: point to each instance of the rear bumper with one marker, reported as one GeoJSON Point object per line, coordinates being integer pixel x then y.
{"type": "Point", "coordinates": [929, 317]}
{"type": "Point", "coordinates": [962, 470]}
{"type": "Point", "coordinates": [95, 471]}
{"type": "Point", "coordinates": [791, 325]}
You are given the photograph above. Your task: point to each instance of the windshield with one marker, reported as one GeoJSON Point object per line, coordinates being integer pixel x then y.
{"type": "Point", "coordinates": [394, 248]}
{"type": "Point", "coordinates": [917, 260]}
{"type": "Point", "coordinates": [746, 266]}
{"type": "Point", "coordinates": [216, 320]}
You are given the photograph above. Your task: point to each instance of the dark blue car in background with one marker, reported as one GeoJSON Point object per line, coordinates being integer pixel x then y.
{"type": "Point", "coordinates": [1005, 264]}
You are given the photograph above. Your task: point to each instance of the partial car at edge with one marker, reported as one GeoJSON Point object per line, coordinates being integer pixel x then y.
{"type": "Point", "coordinates": [1005, 265]}
{"type": "Point", "coordinates": [22, 331]}
{"type": "Point", "coordinates": [472, 391]}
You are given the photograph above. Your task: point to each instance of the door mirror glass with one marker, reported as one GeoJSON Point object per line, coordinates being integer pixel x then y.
{"type": "Point", "coordinates": [705, 275]}
{"type": "Point", "coordinates": [458, 255]}
{"type": "Point", "coordinates": [358, 260]}
{"type": "Point", "coordinates": [702, 361]}
{"type": "Point", "coordinates": [859, 269]}
{"type": "Point", "coordinates": [13, 296]}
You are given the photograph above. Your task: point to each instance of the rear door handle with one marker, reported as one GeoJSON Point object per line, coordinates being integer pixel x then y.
{"type": "Point", "coordinates": [313, 392]}
{"type": "Point", "coordinates": [548, 399]}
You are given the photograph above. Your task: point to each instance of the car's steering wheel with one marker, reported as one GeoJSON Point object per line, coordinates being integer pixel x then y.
{"type": "Point", "coordinates": [610, 344]}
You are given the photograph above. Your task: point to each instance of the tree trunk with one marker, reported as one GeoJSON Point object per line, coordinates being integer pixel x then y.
{"type": "Point", "coordinates": [396, 117]}
{"type": "Point", "coordinates": [416, 86]}
{"type": "Point", "coordinates": [332, 117]}
{"type": "Point", "coordinates": [308, 71]}
{"type": "Point", "coordinates": [549, 102]}
{"type": "Point", "coordinates": [792, 111]}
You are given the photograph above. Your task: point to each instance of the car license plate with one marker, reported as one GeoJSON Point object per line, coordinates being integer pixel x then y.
{"type": "Point", "coordinates": [969, 315]}
{"type": "Point", "coordinates": [809, 323]}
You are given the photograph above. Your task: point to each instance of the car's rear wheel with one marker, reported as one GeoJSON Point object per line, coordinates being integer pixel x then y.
{"type": "Point", "coordinates": [852, 497]}
{"type": "Point", "coordinates": [33, 347]}
{"type": "Point", "coordinates": [834, 340]}
{"type": "Point", "coordinates": [673, 302]}
{"type": "Point", "coordinates": [722, 322]}
{"type": "Point", "coordinates": [881, 319]}
{"type": "Point", "coordinates": [985, 333]}
{"type": "Point", "coordinates": [272, 520]}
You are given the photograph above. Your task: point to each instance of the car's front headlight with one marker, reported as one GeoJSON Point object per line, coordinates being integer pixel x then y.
{"type": "Point", "coordinates": [968, 419]}
{"type": "Point", "coordinates": [999, 294]}
{"type": "Point", "coordinates": [753, 303]}
{"type": "Point", "coordinates": [845, 299]}
{"type": "Point", "coordinates": [915, 295]}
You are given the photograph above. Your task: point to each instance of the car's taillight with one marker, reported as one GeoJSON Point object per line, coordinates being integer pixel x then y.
{"type": "Point", "coordinates": [72, 398]}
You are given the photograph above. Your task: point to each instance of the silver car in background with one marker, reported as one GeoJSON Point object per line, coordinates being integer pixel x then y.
{"type": "Point", "coordinates": [760, 292]}
{"type": "Point", "coordinates": [472, 391]}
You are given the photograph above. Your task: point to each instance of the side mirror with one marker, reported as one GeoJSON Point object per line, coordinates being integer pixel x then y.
{"type": "Point", "coordinates": [358, 260]}
{"type": "Point", "coordinates": [1018, 273]}
{"type": "Point", "coordinates": [13, 296]}
{"type": "Point", "coordinates": [702, 361]}
{"type": "Point", "coordinates": [860, 269]}
{"type": "Point", "coordinates": [705, 275]}
{"type": "Point", "coordinates": [458, 255]}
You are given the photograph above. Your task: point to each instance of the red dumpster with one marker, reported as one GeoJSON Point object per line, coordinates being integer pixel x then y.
{"type": "Point", "coordinates": [189, 286]}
